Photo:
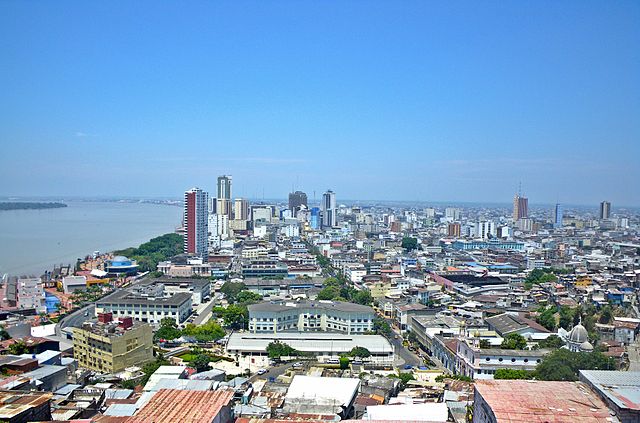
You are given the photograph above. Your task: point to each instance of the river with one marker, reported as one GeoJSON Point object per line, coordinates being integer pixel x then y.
{"type": "Point", "coordinates": [32, 241]}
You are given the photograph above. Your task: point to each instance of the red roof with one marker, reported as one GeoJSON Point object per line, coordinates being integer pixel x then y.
{"type": "Point", "coordinates": [173, 405]}
{"type": "Point", "coordinates": [515, 401]}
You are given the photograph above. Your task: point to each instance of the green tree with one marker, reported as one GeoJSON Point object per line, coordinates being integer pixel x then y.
{"type": "Point", "coordinates": [566, 317]}
{"type": "Point", "coordinates": [563, 364]}
{"type": "Point", "coordinates": [232, 289]}
{"type": "Point", "coordinates": [210, 331]}
{"type": "Point", "coordinates": [514, 341]}
{"type": "Point", "coordinates": [167, 333]}
{"type": "Point", "coordinates": [361, 352]}
{"type": "Point", "coordinates": [201, 362]}
{"type": "Point", "coordinates": [248, 297]}
{"type": "Point", "coordinates": [485, 344]}
{"type": "Point", "coordinates": [551, 342]}
{"type": "Point", "coordinates": [18, 347]}
{"type": "Point", "coordinates": [278, 349]}
{"type": "Point", "coordinates": [547, 318]}
{"type": "Point", "coordinates": [158, 249]}
{"type": "Point", "coordinates": [328, 293]}
{"type": "Point", "coordinates": [363, 297]}
{"type": "Point", "coordinates": [381, 326]}
{"type": "Point", "coordinates": [235, 316]}
{"type": "Point", "coordinates": [409, 243]}
{"type": "Point", "coordinates": [606, 315]}
{"type": "Point", "coordinates": [512, 374]}
{"type": "Point", "coordinates": [344, 363]}
{"type": "Point", "coordinates": [405, 378]}
{"type": "Point", "coordinates": [4, 335]}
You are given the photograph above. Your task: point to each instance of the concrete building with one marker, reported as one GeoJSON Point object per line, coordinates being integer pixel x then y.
{"type": "Point", "coordinates": [325, 347]}
{"type": "Point", "coordinates": [482, 363]}
{"type": "Point", "coordinates": [120, 265]}
{"type": "Point", "coordinates": [310, 316]}
{"type": "Point", "coordinates": [520, 207]}
{"type": "Point", "coordinates": [109, 346]}
{"type": "Point", "coordinates": [605, 210]}
{"type": "Point", "coordinates": [73, 283]}
{"type": "Point", "coordinates": [329, 212]}
{"type": "Point", "coordinates": [241, 209]}
{"type": "Point", "coordinates": [30, 294]}
{"type": "Point", "coordinates": [322, 395]}
{"type": "Point", "coordinates": [185, 268]}
{"type": "Point", "coordinates": [148, 309]}
{"type": "Point", "coordinates": [199, 289]}
{"type": "Point", "coordinates": [296, 201]}
{"type": "Point", "coordinates": [196, 223]}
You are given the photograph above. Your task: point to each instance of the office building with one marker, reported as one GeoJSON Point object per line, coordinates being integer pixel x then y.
{"type": "Point", "coordinates": [329, 218]}
{"type": "Point", "coordinates": [520, 207]}
{"type": "Point", "coordinates": [224, 187]}
{"type": "Point", "coordinates": [296, 201]}
{"type": "Point", "coordinates": [314, 222]}
{"type": "Point", "coordinates": [557, 216]}
{"type": "Point", "coordinates": [605, 210]}
{"type": "Point", "coordinates": [240, 209]}
{"type": "Point", "coordinates": [452, 213]}
{"type": "Point", "coordinates": [144, 307]}
{"type": "Point", "coordinates": [195, 222]}
{"type": "Point", "coordinates": [31, 294]}
{"type": "Point", "coordinates": [109, 346]}
{"type": "Point", "coordinates": [486, 229]}
{"type": "Point", "coordinates": [310, 316]}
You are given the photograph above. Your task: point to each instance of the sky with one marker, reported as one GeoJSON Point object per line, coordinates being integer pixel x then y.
{"type": "Point", "coordinates": [396, 100]}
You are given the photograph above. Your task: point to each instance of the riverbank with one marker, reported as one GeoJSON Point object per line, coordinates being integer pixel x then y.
{"type": "Point", "coordinates": [4, 206]}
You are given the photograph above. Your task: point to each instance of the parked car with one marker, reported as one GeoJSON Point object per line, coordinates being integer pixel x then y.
{"type": "Point", "coordinates": [261, 371]}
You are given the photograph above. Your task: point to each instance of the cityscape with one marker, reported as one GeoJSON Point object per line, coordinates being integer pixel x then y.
{"type": "Point", "coordinates": [211, 248]}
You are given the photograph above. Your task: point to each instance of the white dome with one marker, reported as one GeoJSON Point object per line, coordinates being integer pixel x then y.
{"type": "Point", "coordinates": [586, 346]}
{"type": "Point", "coordinates": [578, 334]}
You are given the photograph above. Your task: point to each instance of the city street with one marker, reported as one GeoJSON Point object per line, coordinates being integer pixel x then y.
{"type": "Point", "coordinates": [75, 319]}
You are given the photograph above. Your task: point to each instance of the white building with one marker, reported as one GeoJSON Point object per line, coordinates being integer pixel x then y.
{"type": "Point", "coordinates": [31, 294]}
{"type": "Point", "coordinates": [149, 309]}
{"type": "Point", "coordinates": [329, 216]}
{"type": "Point", "coordinates": [323, 346]}
{"type": "Point", "coordinates": [486, 229]}
{"type": "Point", "coordinates": [73, 283]}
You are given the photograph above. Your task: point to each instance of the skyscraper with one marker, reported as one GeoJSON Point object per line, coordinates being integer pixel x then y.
{"type": "Point", "coordinates": [329, 209]}
{"type": "Point", "coordinates": [297, 199]}
{"type": "Point", "coordinates": [315, 218]}
{"type": "Point", "coordinates": [223, 199]}
{"type": "Point", "coordinates": [196, 222]}
{"type": "Point", "coordinates": [241, 209]}
{"type": "Point", "coordinates": [557, 216]}
{"type": "Point", "coordinates": [224, 187]}
{"type": "Point", "coordinates": [520, 207]}
{"type": "Point", "coordinates": [605, 210]}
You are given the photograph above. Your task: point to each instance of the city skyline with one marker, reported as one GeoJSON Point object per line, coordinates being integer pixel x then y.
{"type": "Point", "coordinates": [279, 96]}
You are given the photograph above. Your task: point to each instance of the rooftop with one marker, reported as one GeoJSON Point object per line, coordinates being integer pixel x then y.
{"type": "Point", "coordinates": [13, 403]}
{"type": "Point", "coordinates": [126, 297]}
{"type": "Point", "coordinates": [541, 401]}
{"type": "Point", "coordinates": [507, 323]}
{"type": "Point", "coordinates": [621, 388]}
{"type": "Point", "coordinates": [309, 342]}
{"type": "Point", "coordinates": [170, 406]}
{"type": "Point", "coordinates": [308, 305]}
{"type": "Point", "coordinates": [322, 389]}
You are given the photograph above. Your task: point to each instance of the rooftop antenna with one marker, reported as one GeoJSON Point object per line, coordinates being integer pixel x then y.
{"type": "Point", "coordinates": [520, 189]}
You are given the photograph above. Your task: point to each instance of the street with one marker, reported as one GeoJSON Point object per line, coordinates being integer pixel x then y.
{"type": "Point", "coordinates": [75, 319]}
{"type": "Point", "coordinates": [272, 372]}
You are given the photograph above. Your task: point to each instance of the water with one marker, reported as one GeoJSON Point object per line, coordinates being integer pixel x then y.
{"type": "Point", "coordinates": [32, 241]}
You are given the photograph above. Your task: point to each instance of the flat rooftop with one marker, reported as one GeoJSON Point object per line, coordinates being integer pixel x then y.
{"type": "Point", "coordinates": [620, 388]}
{"type": "Point", "coordinates": [275, 307]}
{"type": "Point", "coordinates": [309, 342]}
{"type": "Point", "coordinates": [126, 297]}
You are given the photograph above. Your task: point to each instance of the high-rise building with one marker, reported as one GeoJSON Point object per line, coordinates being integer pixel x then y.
{"type": "Point", "coordinates": [329, 219]}
{"type": "Point", "coordinates": [195, 222]}
{"type": "Point", "coordinates": [557, 216]}
{"type": "Point", "coordinates": [486, 229]}
{"type": "Point", "coordinates": [224, 187]}
{"type": "Point", "coordinates": [520, 207]}
{"type": "Point", "coordinates": [315, 218]}
{"type": "Point", "coordinates": [296, 200]}
{"type": "Point", "coordinates": [605, 210]}
{"type": "Point", "coordinates": [240, 209]}
{"type": "Point", "coordinates": [454, 229]}
{"type": "Point", "coordinates": [452, 213]}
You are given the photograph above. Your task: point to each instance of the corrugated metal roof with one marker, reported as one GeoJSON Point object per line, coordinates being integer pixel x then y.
{"type": "Point", "coordinates": [171, 405]}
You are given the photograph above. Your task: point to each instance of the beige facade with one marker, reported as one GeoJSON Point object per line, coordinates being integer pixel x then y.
{"type": "Point", "coordinates": [97, 348]}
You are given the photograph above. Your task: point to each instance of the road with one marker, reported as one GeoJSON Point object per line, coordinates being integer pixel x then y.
{"type": "Point", "coordinates": [403, 355]}
{"type": "Point", "coordinates": [273, 371]}
{"type": "Point", "coordinates": [75, 319]}
{"type": "Point", "coordinates": [205, 314]}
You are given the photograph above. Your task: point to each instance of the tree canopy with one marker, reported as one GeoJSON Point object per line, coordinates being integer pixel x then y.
{"type": "Point", "coordinates": [547, 318]}
{"type": "Point", "coordinates": [551, 342]}
{"type": "Point", "coordinates": [514, 341]}
{"type": "Point", "coordinates": [538, 276]}
{"type": "Point", "coordinates": [231, 290]}
{"type": "Point", "coordinates": [512, 374]}
{"type": "Point", "coordinates": [278, 349]}
{"type": "Point", "coordinates": [210, 331]}
{"type": "Point", "coordinates": [158, 249]}
{"type": "Point", "coordinates": [361, 352]}
{"type": "Point", "coordinates": [409, 243]}
{"type": "Point", "coordinates": [563, 364]}
{"type": "Point", "coordinates": [168, 330]}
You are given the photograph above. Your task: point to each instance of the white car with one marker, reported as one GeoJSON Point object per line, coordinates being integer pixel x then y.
{"type": "Point", "coordinates": [261, 371]}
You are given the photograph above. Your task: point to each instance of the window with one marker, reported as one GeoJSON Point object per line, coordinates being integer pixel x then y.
{"type": "Point", "coordinates": [500, 359]}
{"type": "Point", "coordinates": [526, 360]}
{"type": "Point", "coordinates": [513, 360]}
{"type": "Point", "coordinates": [488, 359]}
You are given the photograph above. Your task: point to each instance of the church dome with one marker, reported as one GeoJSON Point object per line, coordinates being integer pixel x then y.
{"type": "Point", "coordinates": [578, 334]}
{"type": "Point", "coordinates": [586, 346]}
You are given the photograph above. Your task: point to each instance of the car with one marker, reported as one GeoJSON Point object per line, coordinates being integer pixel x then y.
{"type": "Point", "coordinates": [408, 367]}
{"type": "Point", "coordinates": [261, 371]}
{"type": "Point", "coordinates": [297, 364]}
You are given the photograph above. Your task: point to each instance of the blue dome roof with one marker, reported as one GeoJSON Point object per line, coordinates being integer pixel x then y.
{"type": "Point", "coordinates": [120, 258]}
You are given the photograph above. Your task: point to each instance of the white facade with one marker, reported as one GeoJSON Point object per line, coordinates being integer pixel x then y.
{"type": "Point", "coordinates": [486, 229]}
{"type": "Point", "coordinates": [73, 283]}
{"type": "Point", "coordinates": [31, 294]}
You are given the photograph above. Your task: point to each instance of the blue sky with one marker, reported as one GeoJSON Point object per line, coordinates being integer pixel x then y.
{"type": "Point", "coordinates": [424, 101]}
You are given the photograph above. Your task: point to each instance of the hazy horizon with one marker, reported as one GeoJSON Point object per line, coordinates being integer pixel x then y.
{"type": "Point", "coordinates": [409, 101]}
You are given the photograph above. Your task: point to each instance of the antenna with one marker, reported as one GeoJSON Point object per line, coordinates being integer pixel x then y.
{"type": "Point", "coordinates": [520, 189]}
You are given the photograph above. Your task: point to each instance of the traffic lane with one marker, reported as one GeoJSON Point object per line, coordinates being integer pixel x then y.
{"type": "Point", "coordinates": [272, 372]}
{"type": "Point", "coordinates": [407, 356]}
{"type": "Point", "coordinates": [76, 319]}
{"type": "Point", "coordinates": [205, 313]}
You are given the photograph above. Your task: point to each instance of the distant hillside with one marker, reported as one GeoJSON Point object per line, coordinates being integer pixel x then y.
{"type": "Point", "coordinates": [29, 206]}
